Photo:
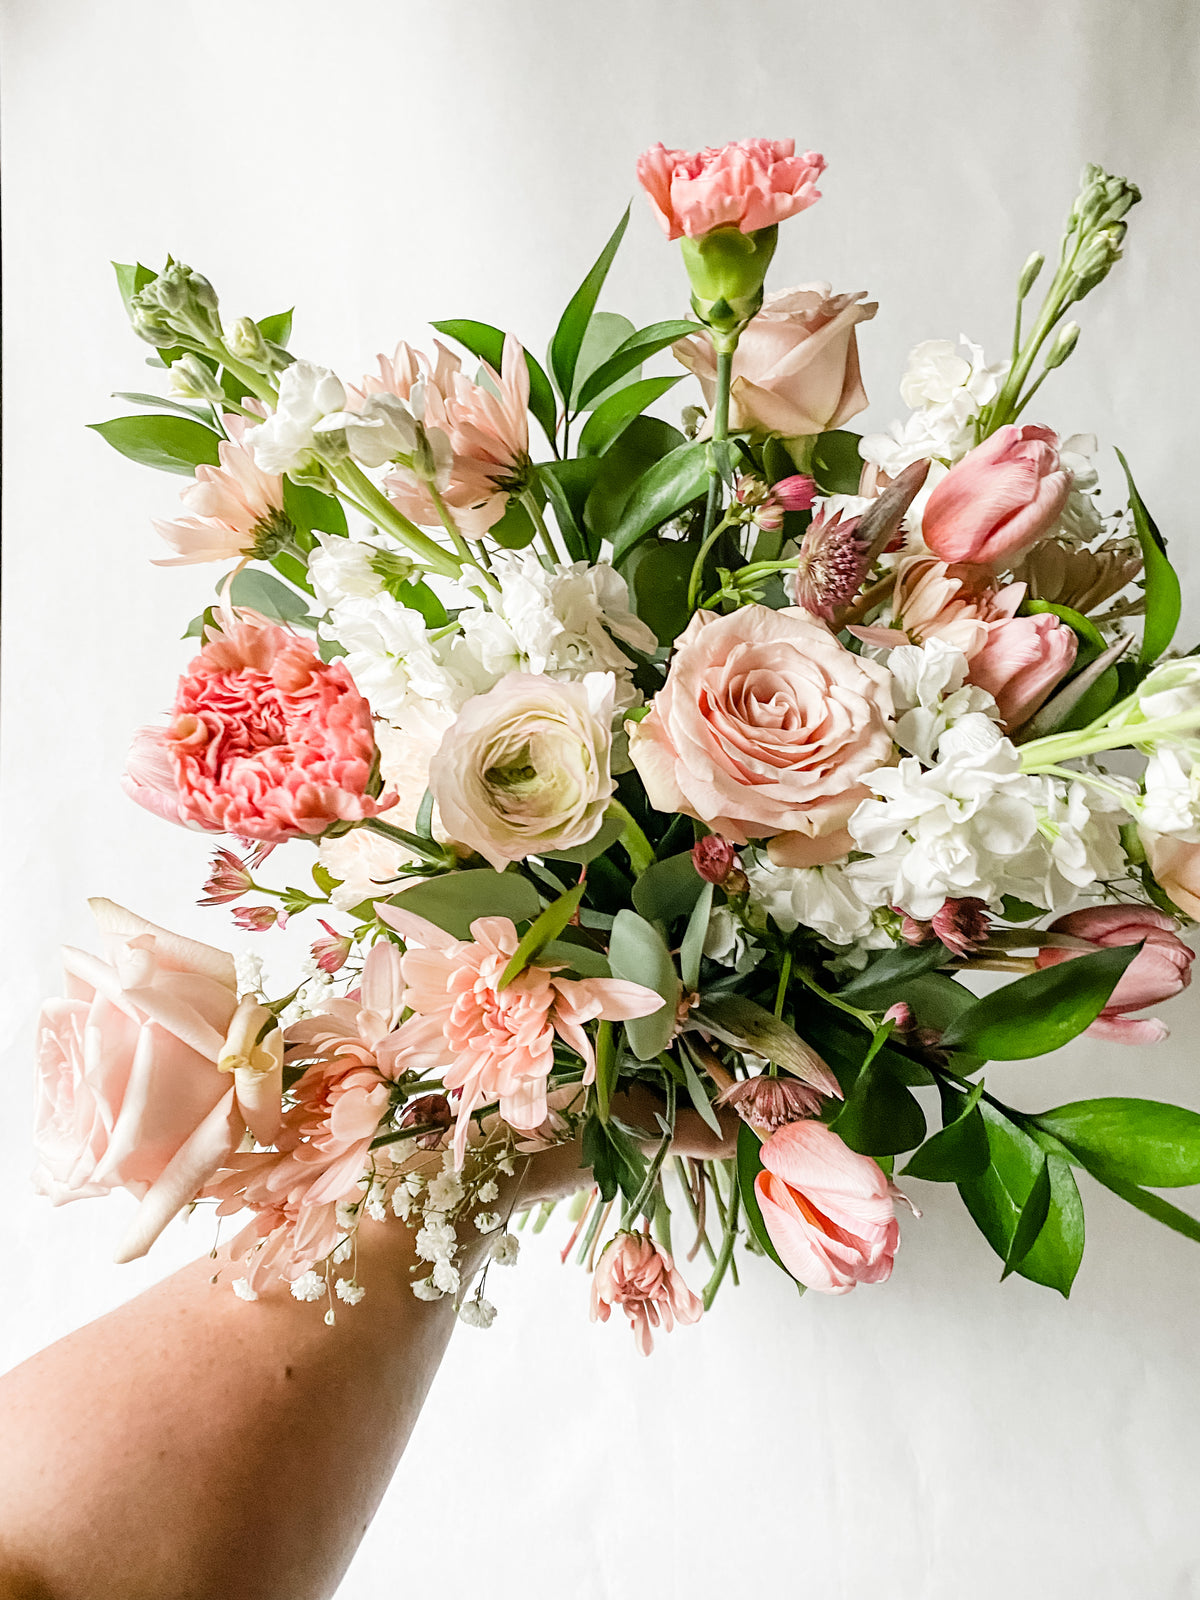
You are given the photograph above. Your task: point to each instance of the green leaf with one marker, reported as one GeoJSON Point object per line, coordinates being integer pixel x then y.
{"type": "Point", "coordinates": [879, 980]}
{"type": "Point", "coordinates": [1042, 1012]}
{"type": "Point", "coordinates": [547, 926]}
{"type": "Point", "coordinates": [639, 347]}
{"type": "Point", "coordinates": [749, 1165]}
{"type": "Point", "coordinates": [1030, 1222]}
{"type": "Point", "coordinates": [486, 342]}
{"type": "Point", "coordinates": [1134, 1141]}
{"type": "Point", "coordinates": [581, 958]}
{"type": "Point", "coordinates": [695, 1088]}
{"type": "Point", "coordinates": [1055, 1255]}
{"type": "Point", "coordinates": [998, 1197]}
{"type": "Point", "coordinates": [454, 900]}
{"type": "Point", "coordinates": [568, 336]}
{"type": "Point", "coordinates": [311, 510]}
{"type": "Point", "coordinates": [324, 879]}
{"type": "Point", "coordinates": [960, 1151]}
{"type": "Point", "coordinates": [692, 947]}
{"type": "Point", "coordinates": [880, 1117]}
{"type": "Point", "coordinates": [261, 592]}
{"type": "Point", "coordinates": [131, 278]}
{"type": "Point", "coordinates": [418, 597]}
{"type": "Point", "coordinates": [516, 529]}
{"type": "Point", "coordinates": [277, 329]}
{"type": "Point", "coordinates": [668, 486]}
{"type": "Point", "coordinates": [567, 485]}
{"type": "Point", "coordinates": [615, 1160]}
{"type": "Point", "coordinates": [160, 404]}
{"type": "Point", "coordinates": [612, 416]}
{"type": "Point", "coordinates": [168, 443]}
{"type": "Point", "coordinates": [836, 463]}
{"type": "Point", "coordinates": [606, 331]}
{"type": "Point", "coordinates": [606, 1068]}
{"type": "Point", "coordinates": [668, 889]}
{"type": "Point", "coordinates": [1152, 1204]}
{"type": "Point", "coordinates": [638, 953]}
{"type": "Point", "coordinates": [645, 441]}
{"type": "Point", "coordinates": [581, 854]}
{"type": "Point", "coordinates": [1163, 598]}
{"type": "Point", "coordinates": [658, 573]}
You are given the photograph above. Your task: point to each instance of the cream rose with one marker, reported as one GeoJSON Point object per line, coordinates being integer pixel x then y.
{"type": "Point", "coordinates": [525, 767]}
{"type": "Point", "coordinates": [764, 728]}
{"type": "Point", "coordinates": [795, 370]}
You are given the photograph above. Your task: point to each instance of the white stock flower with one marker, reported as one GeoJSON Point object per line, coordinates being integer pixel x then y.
{"type": "Point", "coordinates": [285, 441]}
{"type": "Point", "coordinates": [930, 694]}
{"type": "Point", "coordinates": [477, 1313]}
{"type": "Point", "coordinates": [947, 392]}
{"type": "Point", "coordinates": [936, 373]}
{"type": "Point", "coordinates": [1172, 801]}
{"type": "Point", "coordinates": [1081, 517]}
{"type": "Point", "coordinates": [1171, 689]}
{"type": "Point", "coordinates": [824, 899]}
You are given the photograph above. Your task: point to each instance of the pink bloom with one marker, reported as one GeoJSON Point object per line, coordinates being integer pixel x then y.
{"type": "Point", "coordinates": [828, 1210]}
{"type": "Point", "coordinates": [233, 507]}
{"type": "Point", "coordinates": [330, 953]}
{"type": "Point", "coordinates": [487, 434]}
{"type": "Point", "coordinates": [1000, 499]}
{"type": "Point", "coordinates": [1160, 970]}
{"type": "Point", "coordinates": [832, 564]}
{"type": "Point", "coordinates": [771, 1103]}
{"type": "Point", "coordinates": [796, 369]}
{"type": "Point", "coordinates": [765, 727]}
{"type": "Point", "coordinates": [1021, 662]}
{"type": "Point", "coordinates": [795, 493]}
{"type": "Point", "coordinates": [268, 741]}
{"type": "Point", "coordinates": [752, 184]}
{"type": "Point", "coordinates": [933, 600]}
{"type": "Point", "coordinates": [638, 1277]}
{"type": "Point", "coordinates": [228, 879]}
{"type": "Point", "coordinates": [259, 919]}
{"type": "Point", "coordinates": [494, 1044]}
{"type": "Point", "coordinates": [1176, 866]}
{"type": "Point", "coordinates": [714, 858]}
{"type": "Point", "coordinates": [961, 925]}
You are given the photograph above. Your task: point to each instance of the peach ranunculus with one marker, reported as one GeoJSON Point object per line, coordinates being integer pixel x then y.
{"type": "Point", "coordinates": [492, 1044]}
{"type": "Point", "coordinates": [524, 768]}
{"type": "Point", "coordinates": [747, 185]}
{"type": "Point", "coordinates": [764, 729]}
{"type": "Point", "coordinates": [1160, 970]}
{"type": "Point", "coordinates": [135, 1070]}
{"type": "Point", "coordinates": [1176, 868]}
{"type": "Point", "coordinates": [236, 509]}
{"type": "Point", "coordinates": [638, 1277]}
{"type": "Point", "coordinates": [268, 741]}
{"type": "Point", "coordinates": [795, 370]}
{"type": "Point", "coordinates": [828, 1210]}
{"type": "Point", "coordinates": [485, 433]}
{"type": "Point", "coordinates": [1000, 499]}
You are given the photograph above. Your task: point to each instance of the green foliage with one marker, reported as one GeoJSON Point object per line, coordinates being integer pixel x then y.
{"type": "Point", "coordinates": [605, 333]}
{"type": "Point", "coordinates": [168, 443]}
{"type": "Point", "coordinates": [880, 1116]}
{"type": "Point", "coordinates": [745, 1025]}
{"type": "Point", "coordinates": [515, 529]}
{"type": "Point", "coordinates": [568, 336]}
{"type": "Point", "coordinates": [612, 416]}
{"type": "Point", "coordinates": [643, 443]}
{"type": "Point", "coordinates": [311, 510]}
{"type": "Point", "coordinates": [616, 1162]}
{"type": "Point", "coordinates": [696, 1089]}
{"type": "Point", "coordinates": [277, 329]}
{"type": "Point", "coordinates": [638, 953]}
{"type": "Point", "coordinates": [486, 342]}
{"type": "Point", "coordinates": [1134, 1141]}
{"type": "Point", "coordinates": [879, 980]}
{"type": "Point", "coordinates": [1042, 1012]}
{"type": "Point", "coordinates": [454, 900]}
{"type": "Point", "coordinates": [628, 357]}
{"type": "Point", "coordinates": [836, 463]}
{"type": "Point", "coordinates": [659, 494]}
{"type": "Point", "coordinates": [1164, 600]}
{"type": "Point", "coordinates": [658, 573]}
{"type": "Point", "coordinates": [960, 1151]}
{"type": "Point", "coordinates": [692, 948]}
{"type": "Point", "coordinates": [668, 889]}
{"type": "Point", "coordinates": [545, 927]}
{"type": "Point", "coordinates": [749, 1165]}
{"type": "Point", "coordinates": [567, 485]}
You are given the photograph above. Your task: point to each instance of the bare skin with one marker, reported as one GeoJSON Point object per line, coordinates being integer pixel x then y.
{"type": "Point", "coordinates": [192, 1446]}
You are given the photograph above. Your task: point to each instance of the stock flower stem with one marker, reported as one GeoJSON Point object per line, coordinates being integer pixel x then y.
{"type": "Point", "coordinates": [542, 526]}
{"type": "Point", "coordinates": [382, 511]}
{"type": "Point", "coordinates": [727, 1244]}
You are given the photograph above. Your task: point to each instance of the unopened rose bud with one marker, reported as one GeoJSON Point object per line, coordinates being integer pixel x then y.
{"type": "Point", "coordinates": [429, 1111]}
{"type": "Point", "coordinates": [714, 858]}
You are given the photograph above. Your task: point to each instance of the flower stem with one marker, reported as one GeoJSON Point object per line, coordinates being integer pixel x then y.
{"type": "Point", "coordinates": [463, 549]}
{"type": "Point", "coordinates": [543, 528]}
{"type": "Point", "coordinates": [698, 565]}
{"type": "Point", "coordinates": [727, 1244]}
{"type": "Point", "coordinates": [638, 848]}
{"type": "Point", "coordinates": [387, 516]}
{"type": "Point", "coordinates": [720, 430]}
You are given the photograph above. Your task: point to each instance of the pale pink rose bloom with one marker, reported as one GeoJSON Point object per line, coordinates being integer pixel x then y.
{"type": "Point", "coordinates": [752, 184]}
{"type": "Point", "coordinates": [488, 433]}
{"type": "Point", "coordinates": [828, 1210]}
{"type": "Point", "coordinates": [491, 1044]}
{"type": "Point", "coordinates": [268, 741]}
{"type": "Point", "coordinates": [1160, 970]}
{"type": "Point", "coordinates": [1022, 660]}
{"type": "Point", "coordinates": [1176, 867]}
{"type": "Point", "coordinates": [637, 1276]}
{"type": "Point", "coordinates": [796, 369]}
{"type": "Point", "coordinates": [130, 1091]}
{"type": "Point", "coordinates": [1000, 499]}
{"type": "Point", "coordinates": [763, 730]}
{"type": "Point", "coordinates": [228, 505]}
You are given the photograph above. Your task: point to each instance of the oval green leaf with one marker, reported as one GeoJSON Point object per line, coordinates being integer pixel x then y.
{"type": "Point", "coordinates": [167, 443]}
{"type": "Point", "coordinates": [1136, 1141]}
{"type": "Point", "coordinates": [1042, 1012]}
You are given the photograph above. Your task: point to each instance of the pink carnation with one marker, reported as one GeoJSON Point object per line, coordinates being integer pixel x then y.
{"type": "Point", "coordinates": [268, 741]}
{"type": "Point", "coordinates": [752, 184]}
{"type": "Point", "coordinates": [639, 1278]}
{"type": "Point", "coordinates": [492, 1044]}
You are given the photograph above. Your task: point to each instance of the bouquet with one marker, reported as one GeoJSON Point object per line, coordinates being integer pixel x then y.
{"type": "Point", "coordinates": [637, 770]}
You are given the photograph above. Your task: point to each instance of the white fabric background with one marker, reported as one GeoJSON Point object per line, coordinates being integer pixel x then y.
{"type": "Point", "coordinates": [383, 163]}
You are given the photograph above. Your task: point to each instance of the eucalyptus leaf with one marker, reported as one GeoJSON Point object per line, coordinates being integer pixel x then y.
{"type": "Point", "coordinates": [695, 1088]}
{"type": "Point", "coordinates": [1042, 1012]}
{"type": "Point", "coordinates": [487, 342]}
{"type": "Point", "coordinates": [568, 336]}
{"type": "Point", "coordinates": [1164, 600]}
{"type": "Point", "coordinates": [668, 889]}
{"type": "Point", "coordinates": [453, 900]}
{"type": "Point", "coordinates": [639, 347]}
{"type": "Point", "coordinates": [311, 510]}
{"type": "Point", "coordinates": [259, 591]}
{"type": "Point", "coordinates": [167, 443]}
{"type": "Point", "coordinates": [638, 953]}
{"type": "Point", "coordinates": [692, 947]}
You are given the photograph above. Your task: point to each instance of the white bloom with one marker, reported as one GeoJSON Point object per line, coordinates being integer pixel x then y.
{"type": "Point", "coordinates": [437, 1240]}
{"type": "Point", "coordinates": [343, 1252]}
{"type": "Point", "coordinates": [487, 1191]}
{"type": "Point", "coordinates": [402, 1202]}
{"type": "Point", "coordinates": [487, 1221]}
{"type": "Point", "coordinates": [445, 1191]}
{"type": "Point", "coordinates": [822, 898]}
{"type": "Point", "coordinates": [505, 1165]}
{"type": "Point", "coordinates": [426, 1289]}
{"type": "Point", "coordinates": [248, 965]}
{"type": "Point", "coordinates": [1172, 803]}
{"type": "Point", "coordinates": [309, 1286]}
{"type": "Point", "coordinates": [947, 392]}
{"type": "Point", "coordinates": [382, 429]}
{"type": "Point", "coordinates": [376, 1209]}
{"type": "Point", "coordinates": [445, 1277]}
{"type": "Point", "coordinates": [351, 1293]}
{"type": "Point", "coordinates": [1081, 517]}
{"type": "Point", "coordinates": [477, 1313]}
{"type": "Point", "coordinates": [930, 694]}
{"type": "Point", "coordinates": [936, 374]}
{"type": "Point", "coordinates": [1171, 689]}
{"type": "Point", "coordinates": [241, 1288]}
{"type": "Point", "coordinates": [506, 1250]}
{"type": "Point", "coordinates": [285, 441]}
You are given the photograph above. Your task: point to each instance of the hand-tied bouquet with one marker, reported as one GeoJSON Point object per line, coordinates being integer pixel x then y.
{"type": "Point", "coordinates": [651, 772]}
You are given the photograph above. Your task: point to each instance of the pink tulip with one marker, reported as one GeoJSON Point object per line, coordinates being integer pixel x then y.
{"type": "Point", "coordinates": [1161, 969]}
{"type": "Point", "coordinates": [749, 185]}
{"type": "Point", "coordinates": [1022, 660]}
{"type": "Point", "coordinates": [1000, 499]}
{"type": "Point", "coordinates": [829, 1211]}
{"type": "Point", "coordinates": [638, 1277]}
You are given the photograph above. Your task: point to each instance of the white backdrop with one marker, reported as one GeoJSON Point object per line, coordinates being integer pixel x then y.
{"type": "Point", "coordinates": [391, 161]}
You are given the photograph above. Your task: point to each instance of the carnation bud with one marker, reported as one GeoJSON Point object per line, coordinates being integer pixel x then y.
{"type": "Point", "coordinates": [714, 858]}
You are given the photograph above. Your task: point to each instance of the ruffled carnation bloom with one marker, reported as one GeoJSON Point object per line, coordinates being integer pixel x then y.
{"type": "Point", "coordinates": [525, 768]}
{"type": "Point", "coordinates": [490, 1043]}
{"type": "Point", "coordinates": [748, 185]}
{"type": "Point", "coordinates": [1000, 499]}
{"type": "Point", "coordinates": [234, 509]}
{"type": "Point", "coordinates": [795, 369]}
{"type": "Point", "coordinates": [764, 729]}
{"type": "Point", "coordinates": [1160, 970]}
{"type": "Point", "coordinates": [637, 1276]}
{"type": "Point", "coordinates": [828, 1210]}
{"type": "Point", "coordinates": [268, 741]}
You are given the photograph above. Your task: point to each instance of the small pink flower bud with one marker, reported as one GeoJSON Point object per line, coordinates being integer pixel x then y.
{"type": "Point", "coordinates": [714, 858]}
{"type": "Point", "coordinates": [330, 954]}
{"type": "Point", "coordinates": [257, 919]}
{"type": "Point", "coordinates": [430, 1111]}
{"type": "Point", "coordinates": [914, 932]}
{"type": "Point", "coordinates": [901, 1017]}
{"type": "Point", "coordinates": [962, 925]}
{"type": "Point", "coordinates": [637, 1276]}
{"type": "Point", "coordinates": [795, 493]}
{"type": "Point", "coordinates": [228, 879]}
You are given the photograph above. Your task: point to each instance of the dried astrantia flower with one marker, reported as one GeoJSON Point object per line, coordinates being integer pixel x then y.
{"type": "Point", "coordinates": [771, 1103]}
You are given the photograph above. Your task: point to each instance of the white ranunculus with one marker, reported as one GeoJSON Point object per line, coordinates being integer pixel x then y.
{"type": "Point", "coordinates": [285, 441]}
{"type": "Point", "coordinates": [525, 768]}
{"type": "Point", "coordinates": [930, 694]}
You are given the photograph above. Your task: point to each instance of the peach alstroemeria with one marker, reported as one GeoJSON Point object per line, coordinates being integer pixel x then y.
{"type": "Point", "coordinates": [491, 1044]}
{"type": "Point", "coordinates": [236, 509]}
{"type": "Point", "coordinates": [638, 1277]}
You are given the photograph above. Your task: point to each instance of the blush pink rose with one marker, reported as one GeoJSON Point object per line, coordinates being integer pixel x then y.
{"type": "Point", "coordinates": [1160, 970]}
{"type": "Point", "coordinates": [763, 730]}
{"type": "Point", "coordinates": [637, 1276]}
{"type": "Point", "coordinates": [268, 741]}
{"type": "Point", "coordinates": [1000, 499]}
{"type": "Point", "coordinates": [795, 369]}
{"type": "Point", "coordinates": [828, 1210]}
{"type": "Point", "coordinates": [752, 184]}
{"type": "Point", "coordinates": [1022, 660]}
{"type": "Point", "coordinates": [1176, 867]}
